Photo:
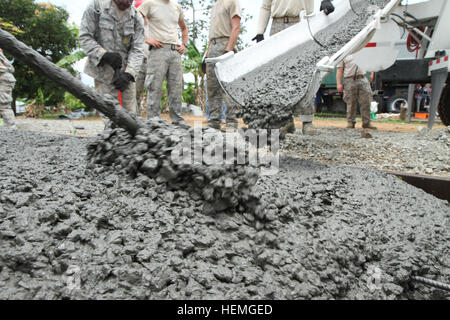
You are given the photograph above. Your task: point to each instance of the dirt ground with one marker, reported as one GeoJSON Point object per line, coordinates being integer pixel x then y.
{"type": "Point", "coordinates": [332, 123]}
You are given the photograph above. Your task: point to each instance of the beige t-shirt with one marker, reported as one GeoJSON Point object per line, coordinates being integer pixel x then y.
{"type": "Point", "coordinates": [281, 8]}
{"type": "Point", "coordinates": [350, 67]}
{"type": "Point", "coordinates": [162, 19]}
{"type": "Point", "coordinates": [221, 15]}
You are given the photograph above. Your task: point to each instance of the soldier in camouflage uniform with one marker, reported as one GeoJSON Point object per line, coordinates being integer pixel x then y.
{"type": "Point", "coordinates": [162, 18]}
{"type": "Point", "coordinates": [140, 79]}
{"type": "Point", "coordinates": [7, 82]}
{"type": "Point", "coordinates": [223, 36]}
{"type": "Point", "coordinates": [356, 89]}
{"type": "Point", "coordinates": [140, 82]}
{"type": "Point", "coordinates": [284, 14]}
{"type": "Point", "coordinates": [112, 35]}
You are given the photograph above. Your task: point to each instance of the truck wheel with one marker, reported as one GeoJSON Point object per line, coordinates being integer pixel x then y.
{"type": "Point", "coordinates": [339, 106]}
{"type": "Point", "coordinates": [444, 105]}
{"type": "Point", "coordinates": [394, 103]}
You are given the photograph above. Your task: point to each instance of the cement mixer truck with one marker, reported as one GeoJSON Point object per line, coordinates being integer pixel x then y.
{"type": "Point", "coordinates": [375, 48]}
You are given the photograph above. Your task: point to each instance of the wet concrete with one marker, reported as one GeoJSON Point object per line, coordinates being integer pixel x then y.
{"type": "Point", "coordinates": [268, 95]}
{"type": "Point", "coordinates": [69, 231]}
{"type": "Point", "coordinates": [222, 181]}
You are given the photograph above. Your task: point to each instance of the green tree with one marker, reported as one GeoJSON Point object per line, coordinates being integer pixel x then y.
{"type": "Point", "coordinates": [44, 27]}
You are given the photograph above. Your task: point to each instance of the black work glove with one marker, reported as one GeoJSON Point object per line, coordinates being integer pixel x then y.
{"type": "Point", "coordinates": [327, 7]}
{"type": "Point", "coordinates": [122, 80]}
{"type": "Point", "coordinates": [258, 38]}
{"type": "Point", "coordinates": [204, 65]}
{"type": "Point", "coordinates": [114, 59]}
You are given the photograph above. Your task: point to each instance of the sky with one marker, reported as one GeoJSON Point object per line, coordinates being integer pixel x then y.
{"type": "Point", "coordinates": [252, 7]}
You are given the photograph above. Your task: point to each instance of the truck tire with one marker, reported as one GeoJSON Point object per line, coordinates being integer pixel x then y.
{"type": "Point", "coordinates": [444, 105]}
{"type": "Point", "coordinates": [395, 102]}
{"type": "Point", "coordinates": [339, 106]}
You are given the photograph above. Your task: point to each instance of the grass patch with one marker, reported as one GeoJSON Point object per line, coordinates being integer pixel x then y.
{"type": "Point", "coordinates": [51, 116]}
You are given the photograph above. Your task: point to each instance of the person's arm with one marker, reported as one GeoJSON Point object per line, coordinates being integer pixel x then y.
{"type": "Point", "coordinates": [264, 16]}
{"type": "Point", "coordinates": [372, 77]}
{"type": "Point", "coordinates": [339, 74]}
{"type": "Point", "coordinates": [88, 43]}
{"type": "Point", "coordinates": [235, 30]}
{"type": "Point", "coordinates": [136, 54]}
{"type": "Point", "coordinates": [184, 36]}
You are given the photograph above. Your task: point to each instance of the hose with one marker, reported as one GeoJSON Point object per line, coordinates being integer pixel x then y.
{"type": "Point", "coordinates": [432, 283]}
{"type": "Point", "coordinates": [412, 43]}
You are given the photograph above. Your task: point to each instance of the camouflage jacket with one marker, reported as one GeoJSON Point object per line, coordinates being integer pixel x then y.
{"type": "Point", "coordinates": [6, 70]}
{"type": "Point", "coordinates": [102, 31]}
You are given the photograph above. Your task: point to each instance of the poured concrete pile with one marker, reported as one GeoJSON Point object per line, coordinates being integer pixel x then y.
{"type": "Point", "coordinates": [68, 232]}
{"type": "Point", "coordinates": [268, 94]}
{"type": "Point", "coordinates": [151, 152]}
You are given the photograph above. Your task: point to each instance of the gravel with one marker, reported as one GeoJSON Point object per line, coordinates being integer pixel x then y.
{"type": "Point", "coordinates": [422, 152]}
{"type": "Point", "coordinates": [323, 232]}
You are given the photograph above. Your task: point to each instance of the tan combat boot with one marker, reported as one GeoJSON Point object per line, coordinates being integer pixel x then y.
{"type": "Point", "coordinates": [365, 134]}
{"type": "Point", "coordinates": [369, 126]}
{"type": "Point", "coordinates": [351, 125]}
{"type": "Point", "coordinates": [309, 129]}
{"type": "Point", "coordinates": [290, 127]}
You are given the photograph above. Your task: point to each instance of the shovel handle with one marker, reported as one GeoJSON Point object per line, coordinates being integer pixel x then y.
{"type": "Point", "coordinates": [117, 74]}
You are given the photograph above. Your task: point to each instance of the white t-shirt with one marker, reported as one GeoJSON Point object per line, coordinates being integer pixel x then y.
{"type": "Point", "coordinates": [221, 15]}
{"type": "Point", "coordinates": [162, 17]}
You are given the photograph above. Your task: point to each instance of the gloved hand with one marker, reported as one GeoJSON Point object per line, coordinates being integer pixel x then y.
{"type": "Point", "coordinates": [258, 38]}
{"type": "Point", "coordinates": [204, 66]}
{"type": "Point", "coordinates": [114, 59]}
{"type": "Point", "coordinates": [121, 81]}
{"type": "Point", "coordinates": [327, 7]}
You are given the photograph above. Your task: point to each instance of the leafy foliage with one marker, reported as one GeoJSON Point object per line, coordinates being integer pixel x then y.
{"type": "Point", "coordinates": [67, 61]}
{"type": "Point", "coordinates": [44, 27]}
{"type": "Point", "coordinates": [72, 103]}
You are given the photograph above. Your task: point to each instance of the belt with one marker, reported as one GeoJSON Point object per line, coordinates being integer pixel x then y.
{"type": "Point", "coordinates": [358, 76]}
{"type": "Point", "coordinates": [214, 41]}
{"type": "Point", "coordinates": [165, 45]}
{"type": "Point", "coordinates": [287, 19]}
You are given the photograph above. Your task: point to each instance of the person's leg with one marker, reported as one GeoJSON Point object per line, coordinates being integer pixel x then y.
{"type": "Point", "coordinates": [157, 66]}
{"type": "Point", "coordinates": [103, 88]}
{"type": "Point", "coordinates": [350, 98]}
{"type": "Point", "coordinates": [175, 87]}
{"type": "Point", "coordinates": [215, 92]}
{"type": "Point", "coordinates": [9, 120]}
{"type": "Point", "coordinates": [129, 98]}
{"type": "Point", "coordinates": [140, 81]}
{"type": "Point", "coordinates": [365, 98]}
{"type": "Point", "coordinates": [230, 111]}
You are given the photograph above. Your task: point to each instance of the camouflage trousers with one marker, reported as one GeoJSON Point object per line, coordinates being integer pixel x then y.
{"type": "Point", "coordinates": [164, 63]}
{"type": "Point", "coordinates": [140, 82]}
{"type": "Point", "coordinates": [278, 26]}
{"type": "Point", "coordinates": [215, 93]}
{"type": "Point", "coordinates": [358, 90]}
{"type": "Point", "coordinates": [5, 103]}
{"type": "Point", "coordinates": [128, 97]}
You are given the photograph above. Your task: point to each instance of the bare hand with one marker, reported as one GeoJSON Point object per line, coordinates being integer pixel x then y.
{"type": "Point", "coordinates": [181, 49]}
{"type": "Point", "coordinates": [340, 87]}
{"type": "Point", "coordinates": [153, 42]}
